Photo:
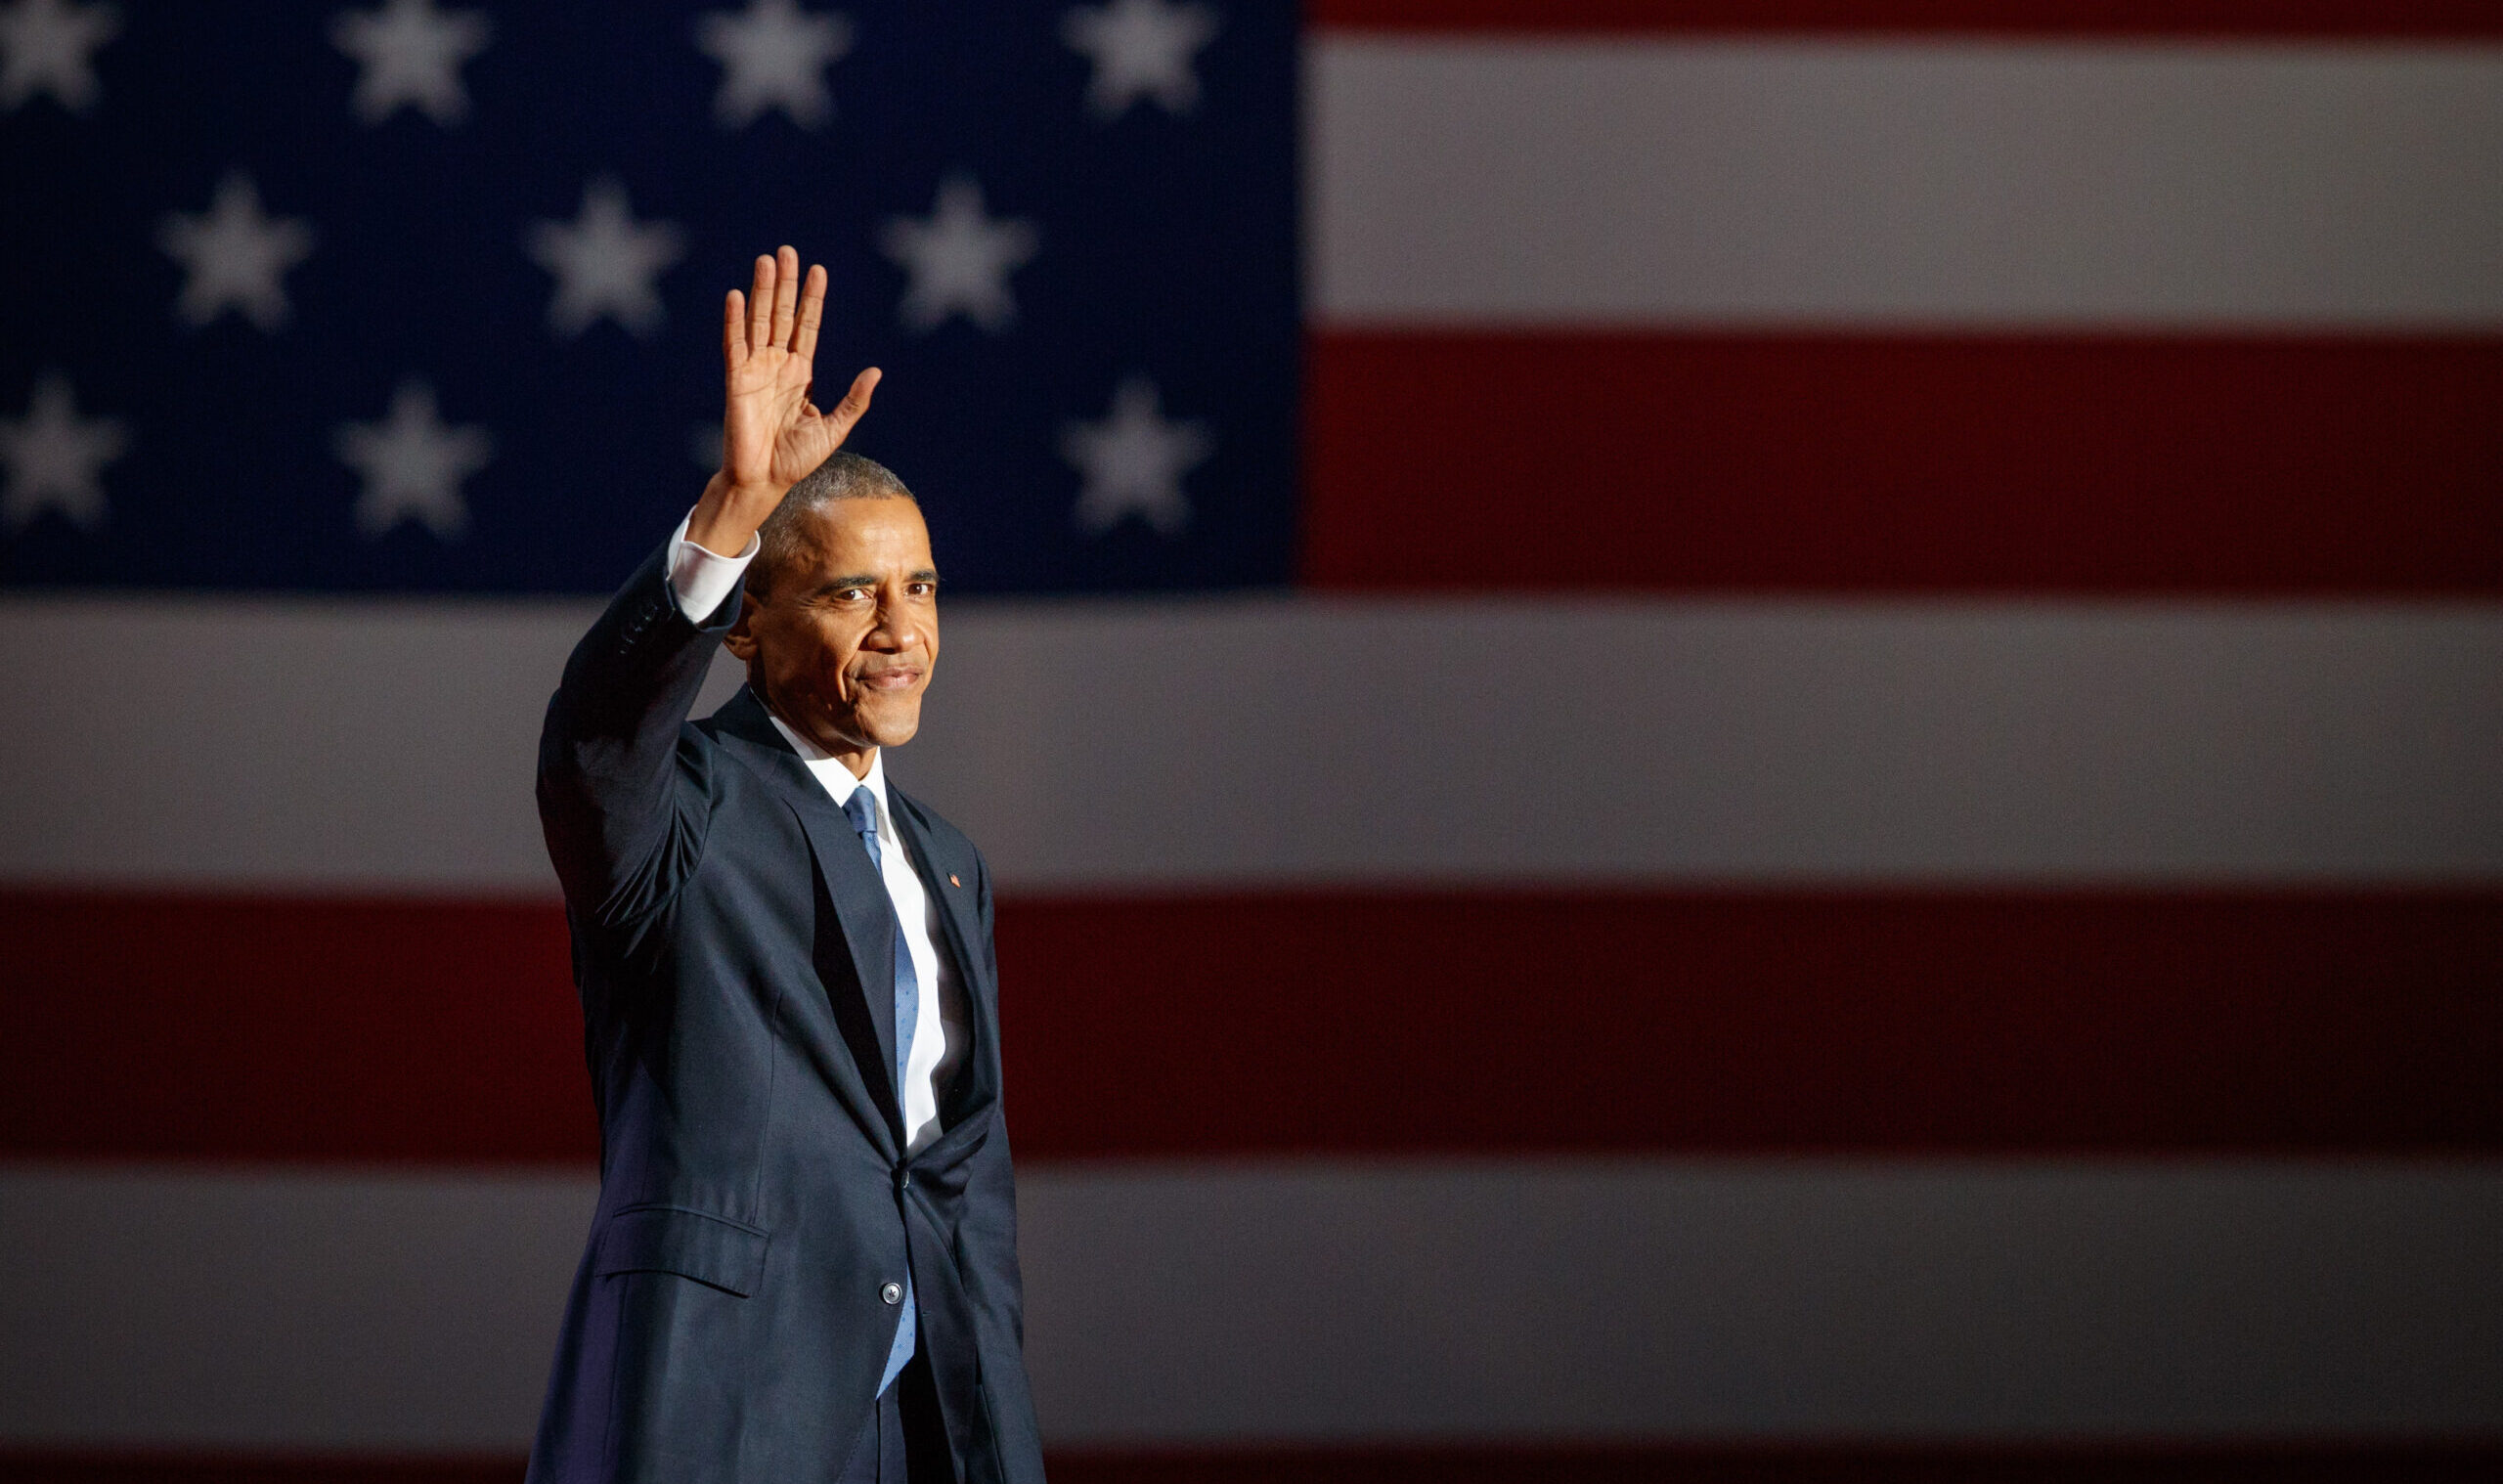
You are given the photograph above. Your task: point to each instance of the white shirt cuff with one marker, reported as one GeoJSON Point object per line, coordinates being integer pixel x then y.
{"type": "Point", "coordinates": [700, 579]}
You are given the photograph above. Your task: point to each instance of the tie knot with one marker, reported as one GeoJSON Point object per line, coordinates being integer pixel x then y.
{"type": "Point", "coordinates": [862, 811]}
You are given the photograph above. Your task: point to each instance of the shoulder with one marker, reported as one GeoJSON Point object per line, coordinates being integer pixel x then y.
{"type": "Point", "coordinates": [721, 734]}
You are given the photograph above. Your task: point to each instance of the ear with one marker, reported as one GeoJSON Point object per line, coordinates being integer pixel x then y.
{"type": "Point", "coordinates": [741, 639]}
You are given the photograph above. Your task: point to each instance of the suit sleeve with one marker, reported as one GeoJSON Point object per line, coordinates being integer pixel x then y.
{"type": "Point", "coordinates": [987, 1237]}
{"type": "Point", "coordinates": [623, 796]}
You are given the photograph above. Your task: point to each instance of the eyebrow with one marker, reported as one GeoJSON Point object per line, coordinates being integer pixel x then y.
{"type": "Point", "coordinates": [869, 579]}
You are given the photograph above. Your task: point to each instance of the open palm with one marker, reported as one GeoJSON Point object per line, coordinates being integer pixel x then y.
{"type": "Point", "coordinates": [771, 434]}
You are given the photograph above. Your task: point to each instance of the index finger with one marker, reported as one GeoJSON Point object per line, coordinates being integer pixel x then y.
{"type": "Point", "coordinates": [734, 330]}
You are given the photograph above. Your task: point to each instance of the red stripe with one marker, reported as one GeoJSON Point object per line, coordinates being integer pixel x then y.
{"type": "Point", "coordinates": [1758, 1023]}
{"type": "Point", "coordinates": [1857, 463]}
{"type": "Point", "coordinates": [1863, 1464]}
{"type": "Point", "coordinates": [1867, 1465]}
{"type": "Point", "coordinates": [1994, 17]}
{"type": "Point", "coordinates": [185, 1469]}
{"type": "Point", "coordinates": [1348, 1024]}
{"type": "Point", "coordinates": [253, 1028]}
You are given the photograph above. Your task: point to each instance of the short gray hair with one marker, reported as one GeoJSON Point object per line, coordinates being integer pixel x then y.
{"type": "Point", "coordinates": [784, 535]}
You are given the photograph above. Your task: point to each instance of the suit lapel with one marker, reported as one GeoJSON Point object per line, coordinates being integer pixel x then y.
{"type": "Point", "coordinates": [860, 902]}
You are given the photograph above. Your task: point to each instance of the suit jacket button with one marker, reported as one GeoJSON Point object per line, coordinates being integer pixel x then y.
{"type": "Point", "coordinates": [892, 1293]}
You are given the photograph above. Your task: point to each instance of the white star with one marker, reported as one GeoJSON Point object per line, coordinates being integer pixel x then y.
{"type": "Point", "coordinates": [605, 262]}
{"type": "Point", "coordinates": [774, 55]}
{"type": "Point", "coordinates": [958, 258]}
{"type": "Point", "coordinates": [412, 465]}
{"type": "Point", "coordinates": [410, 54]}
{"type": "Point", "coordinates": [1133, 461]}
{"type": "Point", "coordinates": [48, 46]}
{"type": "Point", "coordinates": [54, 456]}
{"type": "Point", "coordinates": [1141, 49]}
{"type": "Point", "coordinates": [234, 257]}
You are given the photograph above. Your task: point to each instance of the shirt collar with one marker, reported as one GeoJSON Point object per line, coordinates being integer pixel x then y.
{"type": "Point", "coordinates": [835, 778]}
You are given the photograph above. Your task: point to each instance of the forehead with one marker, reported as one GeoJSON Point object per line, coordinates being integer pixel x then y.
{"type": "Point", "coordinates": [873, 535]}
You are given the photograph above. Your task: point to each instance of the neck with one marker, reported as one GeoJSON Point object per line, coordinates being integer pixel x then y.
{"type": "Point", "coordinates": [855, 756]}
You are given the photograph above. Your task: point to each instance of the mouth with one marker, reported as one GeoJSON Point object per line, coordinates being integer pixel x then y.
{"type": "Point", "coordinates": [899, 678]}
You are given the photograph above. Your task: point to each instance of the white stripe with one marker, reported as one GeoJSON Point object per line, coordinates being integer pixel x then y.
{"type": "Point", "coordinates": [275, 1309]}
{"type": "Point", "coordinates": [1633, 1300]}
{"type": "Point", "coordinates": [1108, 747]}
{"type": "Point", "coordinates": [1936, 184]}
{"type": "Point", "coordinates": [263, 1309]}
{"type": "Point", "coordinates": [1113, 746]}
{"type": "Point", "coordinates": [265, 742]}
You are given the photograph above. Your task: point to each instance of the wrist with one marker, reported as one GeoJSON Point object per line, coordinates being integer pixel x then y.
{"type": "Point", "coordinates": [729, 514]}
{"type": "Point", "coordinates": [723, 490]}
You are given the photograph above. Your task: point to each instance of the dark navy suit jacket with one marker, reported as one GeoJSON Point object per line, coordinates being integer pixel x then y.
{"type": "Point", "coordinates": [733, 945]}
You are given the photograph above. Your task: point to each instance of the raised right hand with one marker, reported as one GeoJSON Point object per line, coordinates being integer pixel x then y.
{"type": "Point", "coordinates": [771, 434]}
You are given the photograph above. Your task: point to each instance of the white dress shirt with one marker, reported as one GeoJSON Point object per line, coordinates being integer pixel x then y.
{"type": "Point", "coordinates": [699, 580]}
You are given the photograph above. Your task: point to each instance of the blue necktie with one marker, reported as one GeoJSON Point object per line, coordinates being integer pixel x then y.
{"type": "Point", "coordinates": [861, 809]}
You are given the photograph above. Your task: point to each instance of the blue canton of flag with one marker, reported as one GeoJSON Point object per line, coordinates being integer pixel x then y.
{"type": "Point", "coordinates": [418, 295]}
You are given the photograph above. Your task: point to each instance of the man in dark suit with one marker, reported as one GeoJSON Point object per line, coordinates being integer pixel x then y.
{"type": "Point", "coordinates": [804, 1263]}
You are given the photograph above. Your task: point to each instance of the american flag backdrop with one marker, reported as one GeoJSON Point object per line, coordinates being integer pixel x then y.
{"type": "Point", "coordinates": [1725, 739]}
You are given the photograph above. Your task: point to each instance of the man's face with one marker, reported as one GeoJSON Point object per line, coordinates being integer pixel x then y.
{"type": "Point", "coordinates": [842, 646]}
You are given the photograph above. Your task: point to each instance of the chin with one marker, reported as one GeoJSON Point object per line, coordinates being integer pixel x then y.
{"type": "Point", "coordinates": [892, 729]}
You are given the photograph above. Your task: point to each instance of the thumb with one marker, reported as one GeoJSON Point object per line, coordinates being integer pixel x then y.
{"type": "Point", "coordinates": [854, 403]}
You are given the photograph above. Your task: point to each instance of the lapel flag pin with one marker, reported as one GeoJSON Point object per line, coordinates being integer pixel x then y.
{"type": "Point", "coordinates": [952, 881]}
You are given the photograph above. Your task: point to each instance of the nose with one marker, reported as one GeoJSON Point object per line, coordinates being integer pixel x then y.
{"type": "Point", "coordinates": [893, 631]}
